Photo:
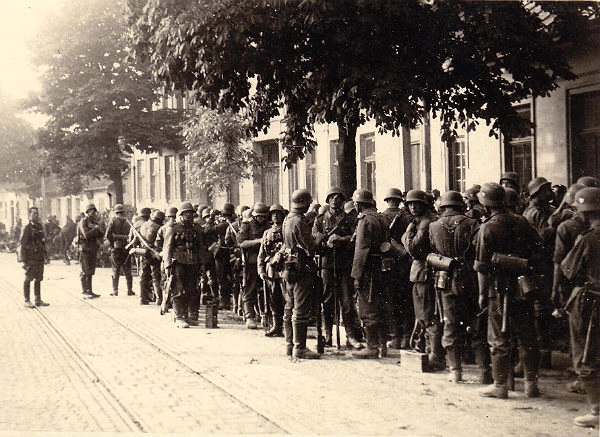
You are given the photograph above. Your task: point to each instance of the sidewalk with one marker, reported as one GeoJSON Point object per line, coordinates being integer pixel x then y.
{"type": "Point", "coordinates": [334, 395]}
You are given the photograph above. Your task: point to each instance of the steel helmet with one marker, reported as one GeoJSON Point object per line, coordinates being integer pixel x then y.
{"type": "Point", "coordinates": [363, 196]}
{"type": "Point", "coordinates": [393, 193]}
{"type": "Point", "coordinates": [451, 198]}
{"type": "Point", "coordinates": [491, 194]}
{"type": "Point", "coordinates": [276, 207]}
{"type": "Point", "coordinates": [145, 212]}
{"type": "Point", "coordinates": [589, 181]}
{"type": "Point", "coordinates": [205, 212]}
{"type": "Point", "coordinates": [186, 206]}
{"type": "Point", "coordinates": [172, 212]}
{"type": "Point", "coordinates": [417, 196]}
{"type": "Point", "coordinates": [510, 176]}
{"type": "Point", "coordinates": [536, 185]}
{"type": "Point", "coordinates": [228, 209]}
{"type": "Point", "coordinates": [260, 209]}
{"type": "Point", "coordinates": [471, 193]}
{"type": "Point", "coordinates": [570, 195]}
{"type": "Point", "coordinates": [301, 199]}
{"type": "Point", "coordinates": [157, 215]}
{"type": "Point", "coordinates": [332, 191]}
{"type": "Point", "coordinates": [90, 207]}
{"type": "Point", "coordinates": [119, 208]}
{"type": "Point", "coordinates": [588, 199]}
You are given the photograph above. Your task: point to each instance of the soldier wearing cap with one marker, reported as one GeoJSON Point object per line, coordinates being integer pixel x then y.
{"type": "Point", "coordinates": [504, 233]}
{"type": "Point", "coordinates": [452, 236]}
{"type": "Point", "coordinates": [416, 241]}
{"type": "Point", "coordinates": [299, 276]}
{"type": "Point", "coordinates": [268, 269]}
{"type": "Point", "coordinates": [474, 208]}
{"type": "Point", "coordinates": [582, 267]}
{"type": "Point", "coordinates": [117, 234]}
{"type": "Point", "coordinates": [33, 255]}
{"type": "Point", "coordinates": [89, 235]}
{"type": "Point", "coordinates": [332, 232]}
{"type": "Point", "coordinates": [151, 275]}
{"type": "Point", "coordinates": [371, 232]}
{"type": "Point", "coordinates": [183, 252]}
{"type": "Point", "coordinates": [538, 215]}
{"type": "Point", "coordinates": [400, 312]}
{"type": "Point", "coordinates": [249, 239]}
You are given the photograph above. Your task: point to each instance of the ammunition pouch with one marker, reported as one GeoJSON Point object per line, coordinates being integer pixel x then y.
{"type": "Point", "coordinates": [510, 264]}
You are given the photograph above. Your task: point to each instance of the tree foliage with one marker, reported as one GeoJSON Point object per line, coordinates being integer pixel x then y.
{"type": "Point", "coordinates": [349, 61]}
{"type": "Point", "coordinates": [219, 151]}
{"type": "Point", "coordinates": [99, 101]}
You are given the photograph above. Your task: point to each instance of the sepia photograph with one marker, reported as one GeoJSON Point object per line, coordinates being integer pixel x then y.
{"type": "Point", "coordinates": [300, 217]}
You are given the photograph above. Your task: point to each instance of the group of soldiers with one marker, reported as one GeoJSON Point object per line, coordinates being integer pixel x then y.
{"type": "Point", "coordinates": [488, 273]}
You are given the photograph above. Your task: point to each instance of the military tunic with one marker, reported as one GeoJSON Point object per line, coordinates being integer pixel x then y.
{"type": "Point", "coordinates": [33, 251]}
{"type": "Point", "coordinates": [151, 274]}
{"type": "Point", "coordinates": [272, 242]}
{"type": "Point", "coordinates": [250, 231]}
{"type": "Point", "coordinates": [90, 235]}
{"type": "Point", "coordinates": [117, 234]}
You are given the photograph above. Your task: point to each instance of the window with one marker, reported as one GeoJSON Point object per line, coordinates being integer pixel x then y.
{"type": "Point", "coordinates": [270, 172]}
{"type": "Point", "coordinates": [518, 145]}
{"type": "Point", "coordinates": [585, 134]}
{"type": "Point", "coordinates": [182, 177]}
{"type": "Point", "coordinates": [334, 150]}
{"type": "Point", "coordinates": [141, 180]}
{"type": "Point", "coordinates": [169, 174]}
{"type": "Point", "coordinates": [153, 178]}
{"type": "Point", "coordinates": [457, 165]}
{"type": "Point", "coordinates": [367, 153]}
{"type": "Point", "coordinates": [311, 173]}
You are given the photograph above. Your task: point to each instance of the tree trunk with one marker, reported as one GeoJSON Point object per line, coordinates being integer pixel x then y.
{"type": "Point", "coordinates": [117, 180]}
{"type": "Point", "coordinates": [347, 157]}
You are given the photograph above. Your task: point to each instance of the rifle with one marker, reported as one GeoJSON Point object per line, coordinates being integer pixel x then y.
{"type": "Point", "coordinates": [141, 239]}
{"type": "Point", "coordinates": [164, 306]}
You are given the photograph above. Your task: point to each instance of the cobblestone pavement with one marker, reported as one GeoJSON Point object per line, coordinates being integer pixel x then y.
{"type": "Point", "coordinates": [155, 378]}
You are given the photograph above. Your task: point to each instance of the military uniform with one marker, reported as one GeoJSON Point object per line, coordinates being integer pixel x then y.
{"type": "Point", "coordinates": [335, 266]}
{"type": "Point", "coordinates": [507, 234]}
{"type": "Point", "coordinates": [183, 252]}
{"type": "Point", "coordinates": [33, 256]}
{"type": "Point", "coordinates": [272, 242]}
{"type": "Point", "coordinates": [117, 234]}
{"type": "Point", "coordinates": [67, 234]}
{"type": "Point", "coordinates": [399, 305]}
{"type": "Point", "coordinates": [89, 235]}
{"type": "Point", "coordinates": [298, 242]}
{"type": "Point", "coordinates": [223, 268]}
{"type": "Point", "coordinates": [151, 274]}
{"type": "Point", "coordinates": [582, 267]}
{"type": "Point", "coordinates": [452, 236]}
{"type": "Point", "coordinates": [371, 232]}
{"type": "Point", "coordinates": [248, 239]}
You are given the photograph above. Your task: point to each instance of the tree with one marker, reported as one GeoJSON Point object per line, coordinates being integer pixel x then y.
{"type": "Point", "coordinates": [348, 61]}
{"type": "Point", "coordinates": [100, 102]}
{"type": "Point", "coordinates": [219, 151]}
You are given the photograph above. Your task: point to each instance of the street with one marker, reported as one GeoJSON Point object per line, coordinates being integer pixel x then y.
{"type": "Point", "coordinates": [111, 365]}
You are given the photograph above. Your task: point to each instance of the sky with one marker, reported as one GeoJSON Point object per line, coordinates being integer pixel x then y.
{"type": "Point", "coordinates": [19, 24]}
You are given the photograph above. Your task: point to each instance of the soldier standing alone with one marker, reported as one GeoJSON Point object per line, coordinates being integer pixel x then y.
{"type": "Point", "coordinates": [117, 234]}
{"type": "Point", "coordinates": [33, 255]}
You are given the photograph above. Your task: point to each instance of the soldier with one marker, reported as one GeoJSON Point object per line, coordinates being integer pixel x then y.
{"type": "Point", "coordinates": [223, 267]}
{"type": "Point", "coordinates": [117, 234]}
{"type": "Point", "coordinates": [504, 233]}
{"type": "Point", "coordinates": [474, 208]}
{"type": "Point", "coordinates": [143, 217]}
{"type": "Point", "coordinates": [581, 266]}
{"type": "Point", "coordinates": [249, 239]}
{"type": "Point", "coordinates": [151, 275]}
{"type": "Point", "coordinates": [332, 232]}
{"type": "Point", "coordinates": [538, 214]}
{"type": "Point", "coordinates": [416, 241]}
{"type": "Point", "coordinates": [33, 255]}
{"type": "Point", "coordinates": [510, 179]}
{"type": "Point", "coordinates": [452, 236]}
{"type": "Point", "coordinates": [183, 251]}
{"type": "Point", "coordinates": [371, 231]}
{"type": "Point", "coordinates": [235, 259]}
{"type": "Point", "coordinates": [170, 217]}
{"type": "Point", "coordinates": [89, 235]}
{"type": "Point", "coordinates": [566, 209]}
{"type": "Point", "coordinates": [268, 269]}
{"type": "Point", "coordinates": [67, 234]}
{"type": "Point", "coordinates": [299, 276]}
{"type": "Point", "coordinates": [401, 316]}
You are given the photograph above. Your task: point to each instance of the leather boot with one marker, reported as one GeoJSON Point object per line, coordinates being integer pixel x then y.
{"type": "Point", "coordinates": [115, 286]}
{"type": "Point", "coordinates": [499, 389]}
{"type": "Point", "coordinates": [27, 292]}
{"type": "Point", "coordinates": [372, 349]}
{"type": "Point", "coordinates": [530, 358]}
{"type": "Point", "coordinates": [436, 350]}
{"type": "Point", "coordinates": [454, 362]}
{"type": "Point", "coordinates": [300, 349]}
{"type": "Point", "coordinates": [276, 330]}
{"type": "Point", "coordinates": [37, 292]}
{"type": "Point", "coordinates": [84, 288]}
{"type": "Point", "coordinates": [590, 420]}
{"type": "Point", "coordinates": [328, 333]}
{"type": "Point", "coordinates": [482, 358]}
{"type": "Point", "coordinates": [89, 293]}
{"type": "Point", "coordinates": [289, 337]}
{"type": "Point", "coordinates": [158, 292]}
{"type": "Point", "coordinates": [129, 280]}
{"type": "Point", "coordinates": [382, 335]}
